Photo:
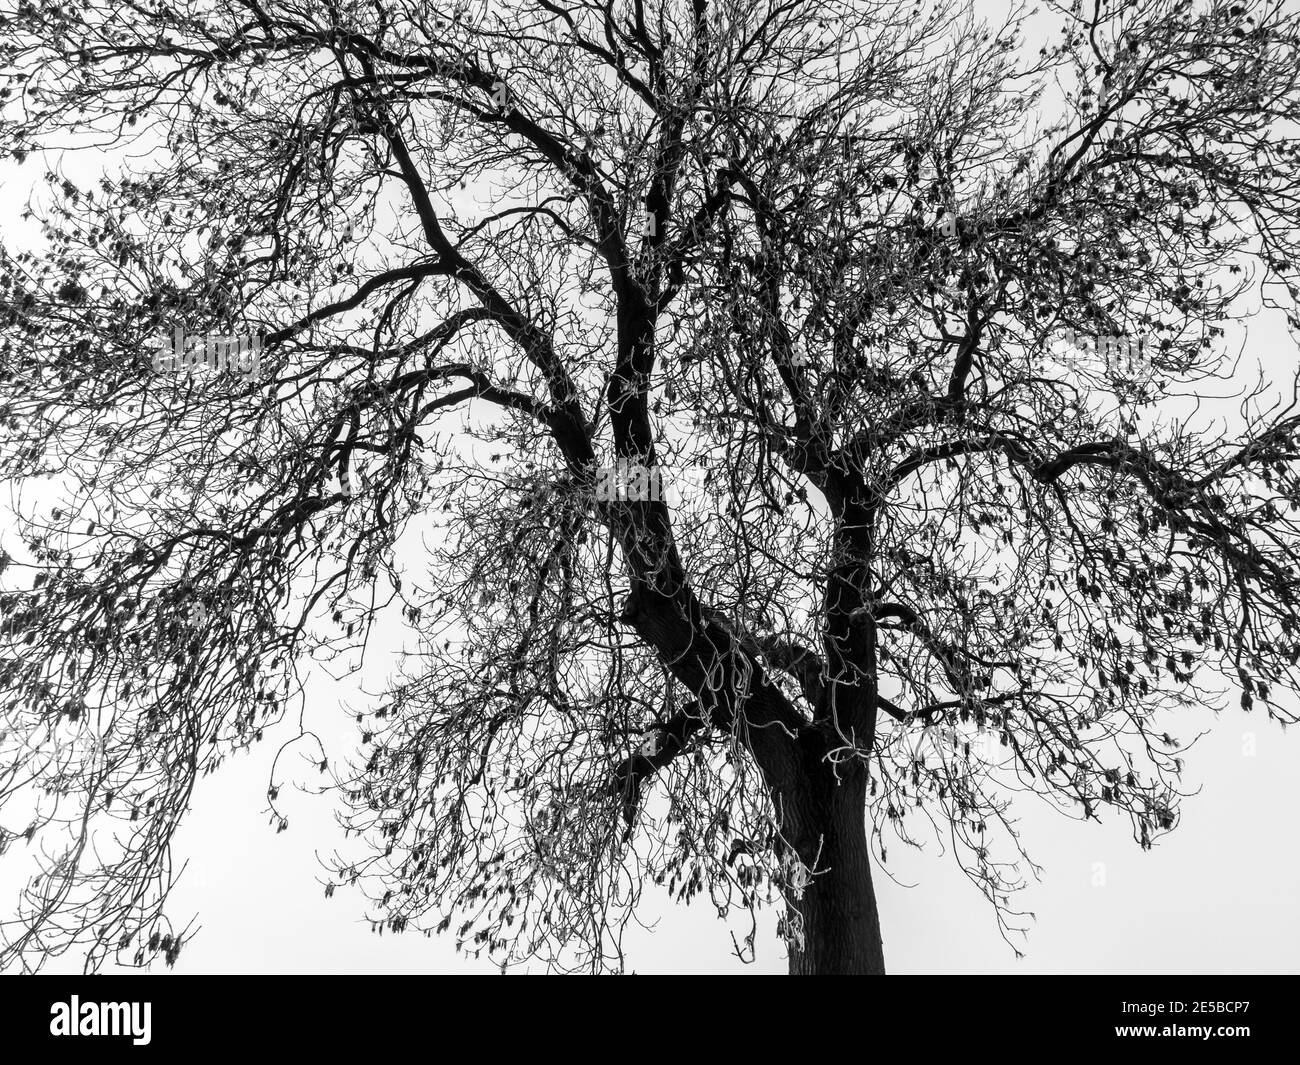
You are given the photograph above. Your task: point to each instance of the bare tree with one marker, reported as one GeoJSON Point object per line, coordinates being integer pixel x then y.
{"type": "Point", "coordinates": [688, 377]}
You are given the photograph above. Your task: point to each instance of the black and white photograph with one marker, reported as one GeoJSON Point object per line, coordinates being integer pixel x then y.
{"type": "Point", "coordinates": [650, 487]}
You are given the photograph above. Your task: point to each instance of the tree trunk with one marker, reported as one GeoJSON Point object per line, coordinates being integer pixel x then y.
{"type": "Point", "coordinates": [841, 929]}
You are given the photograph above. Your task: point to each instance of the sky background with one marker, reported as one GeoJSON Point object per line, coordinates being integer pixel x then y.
{"type": "Point", "coordinates": [1218, 895]}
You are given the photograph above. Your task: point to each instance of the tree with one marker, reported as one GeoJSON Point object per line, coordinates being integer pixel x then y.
{"type": "Point", "coordinates": [687, 376]}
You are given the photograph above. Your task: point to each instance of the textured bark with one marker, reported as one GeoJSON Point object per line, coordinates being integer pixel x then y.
{"type": "Point", "coordinates": [841, 928]}
{"type": "Point", "coordinates": [823, 816]}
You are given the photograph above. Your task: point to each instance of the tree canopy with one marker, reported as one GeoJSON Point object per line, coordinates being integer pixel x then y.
{"type": "Point", "coordinates": [808, 262]}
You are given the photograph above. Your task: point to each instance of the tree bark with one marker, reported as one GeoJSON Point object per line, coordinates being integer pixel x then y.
{"type": "Point", "coordinates": [822, 814]}
{"type": "Point", "coordinates": [840, 925]}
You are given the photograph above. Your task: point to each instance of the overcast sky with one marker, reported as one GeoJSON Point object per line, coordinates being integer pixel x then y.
{"type": "Point", "coordinates": [1218, 895]}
